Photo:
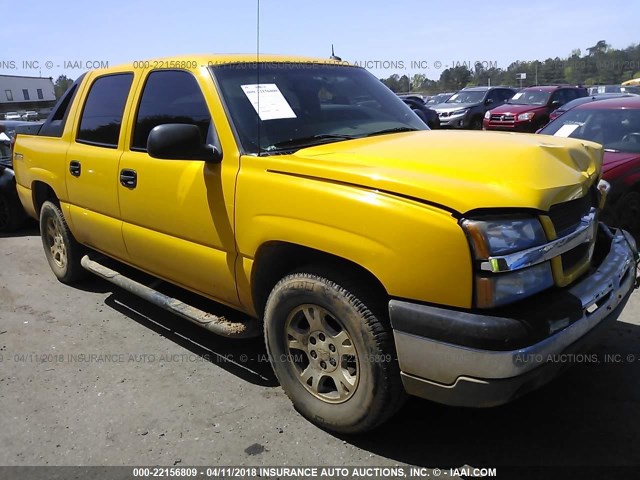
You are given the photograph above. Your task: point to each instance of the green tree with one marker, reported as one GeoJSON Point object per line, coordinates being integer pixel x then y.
{"type": "Point", "coordinates": [392, 82]}
{"type": "Point", "coordinates": [417, 81]}
{"type": "Point", "coordinates": [601, 47]}
{"type": "Point", "coordinates": [455, 78]}
{"type": "Point", "coordinates": [404, 85]}
{"type": "Point", "coordinates": [61, 85]}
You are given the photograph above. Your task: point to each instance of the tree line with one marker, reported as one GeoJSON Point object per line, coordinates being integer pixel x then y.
{"type": "Point", "coordinates": [600, 65]}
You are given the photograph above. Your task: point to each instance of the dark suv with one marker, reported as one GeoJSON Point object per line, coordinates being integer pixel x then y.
{"type": "Point", "coordinates": [529, 109]}
{"type": "Point", "coordinates": [12, 215]}
{"type": "Point", "coordinates": [466, 108]}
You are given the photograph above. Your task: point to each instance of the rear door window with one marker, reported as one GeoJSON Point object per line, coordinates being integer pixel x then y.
{"type": "Point", "coordinates": [102, 113]}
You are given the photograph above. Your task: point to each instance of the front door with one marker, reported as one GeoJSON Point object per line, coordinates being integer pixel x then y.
{"type": "Point", "coordinates": [178, 214]}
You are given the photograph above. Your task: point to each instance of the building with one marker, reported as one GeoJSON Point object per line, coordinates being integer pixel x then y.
{"type": "Point", "coordinates": [19, 94]}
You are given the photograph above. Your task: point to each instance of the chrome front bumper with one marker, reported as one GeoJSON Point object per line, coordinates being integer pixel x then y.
{"type": "Point", "coordinates": [458, 374]}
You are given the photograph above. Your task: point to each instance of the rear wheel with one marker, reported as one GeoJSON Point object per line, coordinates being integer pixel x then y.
{"type": "Point", "coordinates": [334, 357]}
{"type": "Point", "coordinates": [63, 252]}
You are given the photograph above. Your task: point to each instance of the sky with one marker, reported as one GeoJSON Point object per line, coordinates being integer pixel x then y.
{"type": "Point", "coordinates": [44, 38]}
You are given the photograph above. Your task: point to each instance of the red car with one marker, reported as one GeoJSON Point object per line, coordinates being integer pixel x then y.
{"type": "Point", "coordinates": [529, 109]}
{"type": "Point", "coordinates": [614, 123]}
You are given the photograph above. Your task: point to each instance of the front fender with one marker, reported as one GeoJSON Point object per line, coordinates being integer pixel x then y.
{"type": "Point", "coordinates": [415, 250]}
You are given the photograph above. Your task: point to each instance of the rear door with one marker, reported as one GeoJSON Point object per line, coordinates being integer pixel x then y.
{"type": "Point", "coordinates": [92, 164]}
{"type": "Point", "coordinates": [178, 214]}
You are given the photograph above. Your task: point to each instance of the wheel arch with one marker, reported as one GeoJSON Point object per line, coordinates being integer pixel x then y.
{"type": "Point", "coordinates": [41, 193]}
{"type": "Point", "coordinates": [275, 259]}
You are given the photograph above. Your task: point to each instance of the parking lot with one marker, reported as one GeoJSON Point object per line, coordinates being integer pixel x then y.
{"type": "Point", "coordinates": [95, 376]}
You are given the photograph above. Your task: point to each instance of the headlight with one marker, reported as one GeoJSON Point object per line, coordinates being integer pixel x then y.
{"type": "Point", "coordinates": [504, 288]}
{"type": "Point", "coordinates": [523, 117]}
{"type": "Point", "coordinates": [487, 114]}
{"type": "Point", "coordinates": [462, 111]}
{"type": "Point", "coordinates": [502, 235]}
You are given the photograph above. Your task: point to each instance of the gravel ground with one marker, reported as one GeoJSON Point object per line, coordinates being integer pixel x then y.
{"type": "Point", "coordinates": [173, 394]}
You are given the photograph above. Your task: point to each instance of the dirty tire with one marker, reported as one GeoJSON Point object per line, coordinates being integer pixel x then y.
{"type": "Point", "coordinates": [334, 358]}
{"type": "Point", "coordinates": [629, 214]}
{"type": "Point", "coordinates": [63, 252]}
{"type": "Point", "coordinates": [12, 215]}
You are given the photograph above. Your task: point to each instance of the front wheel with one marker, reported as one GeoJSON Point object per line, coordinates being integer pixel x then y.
{"type": "Point", "coordinates": [63, 252]}
{"type": "Point", "coordinates": [333, 356]}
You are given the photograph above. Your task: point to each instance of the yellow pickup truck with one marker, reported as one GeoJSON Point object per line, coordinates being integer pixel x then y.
{"type": "Point", "coordinates": [378, 257]}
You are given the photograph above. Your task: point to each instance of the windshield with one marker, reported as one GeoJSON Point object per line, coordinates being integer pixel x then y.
{"type": "Point", "coordinates": [443, 97]}
{"type": "Point", "coordinates": [467, 97]}
{"type": "Point", "coordinates": [287, 106]}
{"type": "Point", "coordinates": [530, 98]}
{"type": "Point", "coordinates": [617, 130]}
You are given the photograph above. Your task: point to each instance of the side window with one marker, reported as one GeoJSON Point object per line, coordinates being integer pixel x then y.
{"type": "Point", "coordinates": [506, 95]}
{"type": "Point", "coordinates": [559, 96]}
{"type": "Point", "coordinates": [103, 109]}
{"type": "Point", "coordinates": [494, 96]}
{"type": "Point", "coordinates": [169, 96]}
{"type": "Point", "coordinates": [571, 94]}
{"type": "Point", "coordinates": [54, 125]}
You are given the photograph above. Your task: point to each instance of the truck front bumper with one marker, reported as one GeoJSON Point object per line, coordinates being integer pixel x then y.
{"type": "Point", "coordinates": [472, 359]}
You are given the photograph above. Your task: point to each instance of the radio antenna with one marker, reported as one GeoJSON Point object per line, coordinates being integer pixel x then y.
{"type": "Point", "coordinates": [333, 55]}
{"type": "Point", "coordinates": [258, 70]}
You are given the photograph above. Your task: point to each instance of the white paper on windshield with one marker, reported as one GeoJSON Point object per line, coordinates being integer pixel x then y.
{"type": "Point", "coordinates": [566, 130]}
{"type": "Point", "coordinates": [517, 96]}
{"type": "Point", "coordinates": [268, 101]}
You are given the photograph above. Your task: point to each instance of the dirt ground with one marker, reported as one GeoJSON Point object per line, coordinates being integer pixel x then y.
{"type": "Point", "coordinates": [95, 376]}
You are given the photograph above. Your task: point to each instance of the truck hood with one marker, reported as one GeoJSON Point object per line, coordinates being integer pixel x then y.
{"type": "Point", "coordinates": [459, 171]}
{"type": "Point", "coordinates": [517, 109]}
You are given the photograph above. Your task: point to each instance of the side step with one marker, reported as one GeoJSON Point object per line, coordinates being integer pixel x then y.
{"type": "Point", "coordinates": [213, 323]}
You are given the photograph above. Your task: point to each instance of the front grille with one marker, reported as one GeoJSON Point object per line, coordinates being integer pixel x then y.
{"type": "Point", "coordinates": [502, 118]}
{"type": "Point", "coordinates": [575, 257]}
{"type": "Point", "coordinates": [566, 216]}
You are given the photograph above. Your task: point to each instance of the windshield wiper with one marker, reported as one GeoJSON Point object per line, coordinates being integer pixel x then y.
{"type": "Point", "coordinates": [392, 130]}
{"type": "Point", "coordinates": [307, 141]}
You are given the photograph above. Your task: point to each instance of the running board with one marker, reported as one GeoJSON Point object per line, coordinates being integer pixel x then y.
{"type": "Point", "coordinates": [213, 323]}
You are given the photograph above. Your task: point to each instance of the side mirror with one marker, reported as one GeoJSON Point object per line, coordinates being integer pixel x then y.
{"type": "Point", "coordinates": [179, 141]}
{"type": "Point", "coordinates": [488, 101]}
{"type": "Point", "coordinates": [555, 104]}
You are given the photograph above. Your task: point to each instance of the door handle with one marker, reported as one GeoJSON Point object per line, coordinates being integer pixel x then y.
{"type": "Point", "coordinates": [128, 178]}
{"type": "Point", "coordinates": [75, 168]}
